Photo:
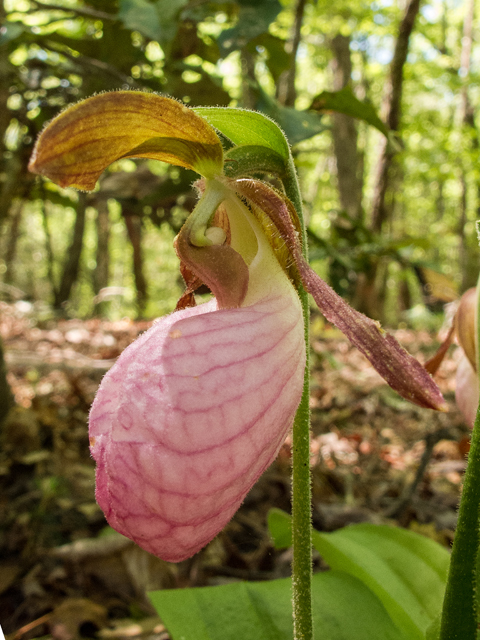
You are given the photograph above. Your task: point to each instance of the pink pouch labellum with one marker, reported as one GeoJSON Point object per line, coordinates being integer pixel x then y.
{"type": "Point", "coordinates": [191, 415]}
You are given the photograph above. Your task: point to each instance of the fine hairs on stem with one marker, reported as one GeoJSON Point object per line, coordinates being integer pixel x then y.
{"type": "Point", "coordinates": [301, 483]}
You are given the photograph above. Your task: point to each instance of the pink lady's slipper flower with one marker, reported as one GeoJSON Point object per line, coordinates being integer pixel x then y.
{"type": "Point", "coordinates": [198, 407]}
{"type": "Point", "coordinates": [467, 385]}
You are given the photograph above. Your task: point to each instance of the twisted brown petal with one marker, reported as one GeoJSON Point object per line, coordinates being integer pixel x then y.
{"type": "Point", "coordinates": [402, 372]}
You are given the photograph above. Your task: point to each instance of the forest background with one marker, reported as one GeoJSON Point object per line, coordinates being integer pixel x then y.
{"type": "Point", "coordinates": [381, 210]}
{"type": "Point", "coordinates": [379, 101]}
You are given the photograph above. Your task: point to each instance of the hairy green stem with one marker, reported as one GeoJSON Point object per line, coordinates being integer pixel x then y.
{"type": "Point", "coordinates": [301, 514]}
{"type": "Point", "coordinates": [301, 484]}
{"type": "Point", "coordinates": [459, 614]}
{"type": "Point", "coordinates": [459, 620]}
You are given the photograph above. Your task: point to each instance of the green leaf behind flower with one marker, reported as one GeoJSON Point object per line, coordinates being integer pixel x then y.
{"type": "Point", "coordinates": [247, 128]}
{"type": "Point", "coordinates": [11, 31]}
{"type": "Point", "coordinates": [297, 125]}
{"type": "Point", "coordinates": [142, 16]}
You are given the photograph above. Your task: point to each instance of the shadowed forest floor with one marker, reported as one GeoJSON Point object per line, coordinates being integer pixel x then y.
{"type": "Point", "coordinates": [65, 574]}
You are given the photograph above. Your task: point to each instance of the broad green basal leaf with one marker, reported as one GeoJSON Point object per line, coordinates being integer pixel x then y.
{"type": "Point", "coordinates": [343, 609]}
{"type": "Point", "coordinates": [405, 570]}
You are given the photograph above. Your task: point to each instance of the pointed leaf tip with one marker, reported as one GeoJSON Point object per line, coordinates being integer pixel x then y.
{"type": "Point", "coordinates": [80, 143]}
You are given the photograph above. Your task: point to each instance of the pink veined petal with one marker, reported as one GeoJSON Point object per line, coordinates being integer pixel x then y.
{"type": "Point", "coordinates": [467, 390]}
{"type": "Point", "coordinates": [190, 416]}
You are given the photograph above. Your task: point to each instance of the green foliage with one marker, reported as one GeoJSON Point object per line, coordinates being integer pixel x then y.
{"type": "Point", "coordinates": [343, 609]}
{"type": "Point", "coordinates": [10, 32]}
{"type": "Point", "coordinates": [247, 128]}
{"type": "Point", "coordinates": [277, 59]}
{"type": "Point", "coordinates": [250, 159]}
{"type": "Point", "coordinates": [194, 51]}
{"type": "Point", "coordinates": [384, 582]}
{"type": "Point", "coordinates": [405, 570]}
{"type": "Point", "coordinates": [142, 16]}
{"type": "Point", "coordinates": [345, 102]}
{"type": "Point", "coordinates": [253, 19]}
{"type": "Point", "coordinates": [297, 125]}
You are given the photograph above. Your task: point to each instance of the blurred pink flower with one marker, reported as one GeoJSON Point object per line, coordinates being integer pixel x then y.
{"type": "Point", "coordinates": [467, 384]}
{"type": "Point", "coordinates": [467, 390]}
{"type": "Point", "coordinates": [464, 328]}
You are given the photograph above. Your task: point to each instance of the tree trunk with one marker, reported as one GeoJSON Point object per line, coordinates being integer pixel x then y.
{"type": "Point", "coordinates": [72, 262]}
{"type": "Point", "coordinates": [286, 93]}
{"type": "Point", "coordinates": [249, 79]}
{"type": "Point", "coordinates": [465, 56]}
{"type": "Point", "coordinates": [462, 221]}
{"type": "Point", "coordinates": [13, 167]}
{"type": "Point", "coordinates": [349, 169]}
{"type": "Point", "coordinates": [48, 247]}
{"type": "Point", "coordinates": [468, 251]}
{"type": "Point", "coordinates": [101, 275]}
{"type": "Point", "coordinates": [14, 232]}
{"type": "Point", "coordinates": [134, 230]}
{"type": "Point", "coordinates": [6, 396]}
{"type": "Point", "coordinates": [367, 294]}
{"type": "Point", "coordinates": [392, 112]}
{"type": "Point", "coordinates": [345, 137]}
{"type": "Point", "coordinates": [5, 70]}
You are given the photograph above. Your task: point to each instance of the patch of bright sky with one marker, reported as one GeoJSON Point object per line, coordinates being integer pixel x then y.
{"type": "Point", "coordinates": [425, 49]}
{"type": "Point", "coordinates": [380, 48]}
{"type": "Point", "coordinates": [431, 12]}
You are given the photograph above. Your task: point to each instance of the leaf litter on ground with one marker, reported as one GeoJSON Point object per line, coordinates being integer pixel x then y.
{"type": "Point", "coordinates": [56, 550]}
